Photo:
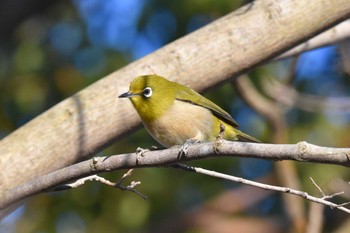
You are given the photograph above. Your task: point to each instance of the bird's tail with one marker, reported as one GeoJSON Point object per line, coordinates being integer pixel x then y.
{"type": "Point", "coordinates": [245, 137]}
{"type": "Point", "coordinates": [234, 134]}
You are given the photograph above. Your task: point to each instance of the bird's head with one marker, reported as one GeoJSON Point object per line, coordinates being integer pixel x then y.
{"type": "Point", "coordinates": [151, 95]}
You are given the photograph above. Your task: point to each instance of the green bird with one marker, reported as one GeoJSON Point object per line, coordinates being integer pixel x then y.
{"type": "Point", "coordinates": [175, 114]}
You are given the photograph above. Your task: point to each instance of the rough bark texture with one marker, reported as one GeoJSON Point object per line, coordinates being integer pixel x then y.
{"type": "Point", "coordinates": [302, 151]}
{"type": "Point", "coordinates": [81, 125]}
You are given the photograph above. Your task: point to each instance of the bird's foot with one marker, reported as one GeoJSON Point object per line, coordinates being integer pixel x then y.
{"type": "Point", "coordinates": [183, 150]}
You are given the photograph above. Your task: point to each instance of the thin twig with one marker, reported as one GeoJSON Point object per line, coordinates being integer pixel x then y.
{"type": "Point", "coordinates": [75, 184]}
{"type": "Point", "coordinates": [327, 197]}
{"type": "Point", "coordinates": [324, 196]}
{"type": "Point", "coordinates": [130, 187]}
{"type": "Point", "coordinates": [236, 179]}
{"type": "Point", "coordinates": [318, 187]}
{"type": "Point", "coordinates": [103, 180]}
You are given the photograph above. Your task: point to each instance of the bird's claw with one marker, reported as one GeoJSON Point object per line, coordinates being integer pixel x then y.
{"type": "Point", "coordinates": [183, 150]}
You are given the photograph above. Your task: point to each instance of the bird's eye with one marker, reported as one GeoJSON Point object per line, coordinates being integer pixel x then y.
{"type": "Point", "coordinates": [147, 92]}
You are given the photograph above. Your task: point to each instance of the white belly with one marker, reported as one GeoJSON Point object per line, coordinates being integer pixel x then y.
{"type": "Point", "coordinates": [181, 122]}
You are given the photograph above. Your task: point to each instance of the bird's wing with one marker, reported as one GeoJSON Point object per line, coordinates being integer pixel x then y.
{"type": "Point", "coordinates": [190, 96]}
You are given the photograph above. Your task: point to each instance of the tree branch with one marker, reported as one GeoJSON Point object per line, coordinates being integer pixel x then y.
{"type": "Point", "coordinates": [103, 180]}
{"type": "Point", "coordinates": [331, 36]}
{"type": "Point", "coordinates": [302, 151]}
{"type": "Point", "coordinates": [323, 200]}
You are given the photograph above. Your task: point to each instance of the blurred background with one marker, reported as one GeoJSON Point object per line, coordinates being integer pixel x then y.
{"type": "Point", "coordinates": [49, 50]}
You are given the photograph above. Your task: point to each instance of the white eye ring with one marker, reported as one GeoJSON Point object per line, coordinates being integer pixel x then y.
{"type": "Point", "coordinates": [147, 92]}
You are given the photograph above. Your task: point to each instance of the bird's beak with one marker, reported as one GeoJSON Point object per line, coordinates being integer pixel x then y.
{"type": "Point", "coordinates": [127, 95]}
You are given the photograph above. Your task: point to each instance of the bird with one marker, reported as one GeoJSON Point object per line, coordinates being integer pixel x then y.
{"type": "Point", "coordinates": [175, 114]}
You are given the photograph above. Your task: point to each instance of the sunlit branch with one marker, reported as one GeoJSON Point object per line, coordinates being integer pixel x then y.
{"type": "Point", "coordinates": [324, 200]}
{"type": "Point", "coordinates": [302, 151]}
{"type": "Point", "coordinates": [335, 34]}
